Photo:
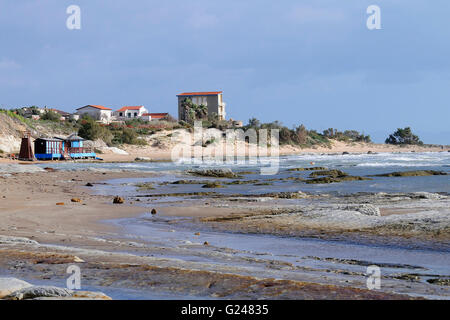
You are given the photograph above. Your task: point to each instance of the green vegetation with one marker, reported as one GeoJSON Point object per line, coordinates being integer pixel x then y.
{"type": "Point", "coordinates": [192, 111]}
{"type": "Point", "coordinates": [125, 135]}
{"type": "Point", "coordinates": [347, 135]}
{"type": "Point", "coordinates": [298, 136]}
{"type": "Point", "coordinates": [145, 186]}
{"type": "Point", "coordinates": [329, 173]}
{"type": "Point", "coordinates": [330, 179]}
{"type": "Point", "coordinates": [403, 137]}
{"type": "Point", "coordinates": [51, 115]}
{"type": "Point", "coordinates": [91, 130]}
{"type": "Point", "coordinates": [15, 115]}
{"type": "Point", "coordinates": [416, 173]}
{"type": "Point", "coordinates": [213, 184]}
{"type": "Point", "coordinates": [217, 173]}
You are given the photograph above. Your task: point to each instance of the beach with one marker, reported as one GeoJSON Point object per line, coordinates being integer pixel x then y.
{"type": "Point", "coordinates": [282, 239]}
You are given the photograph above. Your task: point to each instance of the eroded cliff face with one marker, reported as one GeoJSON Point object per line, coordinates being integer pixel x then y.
{"type": "Point", "coordinates": [10, 133]}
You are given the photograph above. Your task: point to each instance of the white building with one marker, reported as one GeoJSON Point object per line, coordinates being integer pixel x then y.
{"type": "Point", "coordinates": [130, 112]}
{"type": "Point", "coordinates": [99, 113]}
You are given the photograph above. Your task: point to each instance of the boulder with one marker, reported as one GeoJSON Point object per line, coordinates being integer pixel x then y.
{"type": "Point", "coordinates": [53, 293]}
{"type": "Point", "coordinates": [16, 240]}
{"type": "Point", "coordinates": [118, 200]}
{"type": "Point", "coordinates": [366, 209]}
{"type": "Point", "coordinates": [39, 291]}
{"type": "Point", "coordinates": [142, 159]}
{"type": "Point", "coordinates": [218, 173]}
{"type": "Point", "coordinates": [414, 173]}
{"type": "Point", "coordinates": [10, 285]}
{"type": "Point", "coordinates": [427, 195]}
{"type": "Point", "coordinates": [90, 295]}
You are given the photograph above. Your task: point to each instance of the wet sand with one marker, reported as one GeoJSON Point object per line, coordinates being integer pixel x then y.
{"type": "Point", "coordinates": [59, 233]}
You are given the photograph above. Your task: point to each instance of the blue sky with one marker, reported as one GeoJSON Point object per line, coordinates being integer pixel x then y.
{"type": "Point", "coordinates": [312, 62]}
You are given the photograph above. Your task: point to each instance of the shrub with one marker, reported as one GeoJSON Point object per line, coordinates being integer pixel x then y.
{"type": "Point", "coordinates": [403, 137]}
{"type": "Point", "coordinates": [347, 135]}
{"type": "Point", "coordinates": [51, 115]}
{"type": "Point", "coordinates": [91, 130]}
{"type": "Point", "coordinates": [126, 135]}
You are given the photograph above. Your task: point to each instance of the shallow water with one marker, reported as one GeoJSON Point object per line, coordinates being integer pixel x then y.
{"type": "Point", "coordinates": [303, 258]}
{"type": "Point", "coordinates": [360, 165]}
{"type": "Point", "coordinates": [290, 258]}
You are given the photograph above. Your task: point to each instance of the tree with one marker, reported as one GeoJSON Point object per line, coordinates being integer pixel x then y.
{"type": "Point", "coordinates": [192, 111]}
{"type": "Point", "coordinates": [51, 115]}
{"type": "Point", "coordinates": [301, 134]}
{"type": "Point", "coordinates": [254, 123]}
{"type": "Point", "coordinates": [187, 110]}
{"type": "Point", "coordinates": [201, 111]}
{"type": "Point", "coordinates": [330, 133]}
{"type": "Point", "coordinates": [403, 136]}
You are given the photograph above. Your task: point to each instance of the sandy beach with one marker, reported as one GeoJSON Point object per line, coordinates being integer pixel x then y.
{"type": "Point", "coordinates": [42, 232]}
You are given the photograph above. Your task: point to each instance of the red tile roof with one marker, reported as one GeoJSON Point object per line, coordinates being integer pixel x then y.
{"type": "Point", "coordinates": [129, 108]}
{"type": "Point", "coordinates": [95, 106]}
{"type": "Point", "coordinates": [156, 115]}
{"type": "Point", "coordinates": [212, 93]}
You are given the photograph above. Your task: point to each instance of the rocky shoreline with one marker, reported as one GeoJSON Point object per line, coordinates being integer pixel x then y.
{"type": "Point", "coordinates": [40, 239]}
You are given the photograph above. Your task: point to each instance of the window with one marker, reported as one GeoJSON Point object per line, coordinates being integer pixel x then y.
{"type": "Point", "coordinates": [135, 114]}
{"type": "Point", "coordinates": [120, 114]}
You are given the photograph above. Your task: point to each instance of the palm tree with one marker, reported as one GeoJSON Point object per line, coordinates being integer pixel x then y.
{"type": "Point", "coordinates": [201, 111]}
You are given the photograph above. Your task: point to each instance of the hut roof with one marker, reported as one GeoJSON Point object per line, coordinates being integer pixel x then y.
{"type": "Point", "coordinates": [50, 139]}
{"type": "Point", "coordinates": [74, 137]}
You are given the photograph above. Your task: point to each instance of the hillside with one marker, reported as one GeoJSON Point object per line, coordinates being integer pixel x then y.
{"type": "Point", "coordinates": [12, 127]}
{"type": "Point", "coordinates": [157, 143]}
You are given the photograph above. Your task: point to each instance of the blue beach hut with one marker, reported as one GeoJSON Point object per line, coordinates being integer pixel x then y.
{"type": "Point", "coordinates": [62, 149]}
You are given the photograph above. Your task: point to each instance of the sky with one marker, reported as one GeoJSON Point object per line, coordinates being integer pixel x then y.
{"type": "Point", "coordinates": [300, 62]}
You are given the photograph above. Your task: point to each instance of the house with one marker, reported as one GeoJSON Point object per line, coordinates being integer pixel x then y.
{"type": "Point", "coordinates": [63, 114]}
{"type": "Point", "coordinates": [212, 100]}
{"type": "Point", "coordinates": [155, 116]}
{"type": "Point", "coordinates": [99, 113]}
{"type": "Point", "coordinates": [130, 112]}
{"type": "Point", "coordinates": [61, 149]}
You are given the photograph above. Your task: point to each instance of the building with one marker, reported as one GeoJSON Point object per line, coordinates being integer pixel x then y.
{"type": "Point", "coordinates": [63, 114]}
{"type": "Point", "coordinates": [48, 148]}
{"type": "Point", "coordinates": [130, 112]}
{"type": "Point", "coordinates": [212, 100]}
{"type": "Point", "coordinates": [155, 116]}
{"type": "Point", "coordinates": [61, 149]}
{"type": "Point", "coordinates": [26, 152]}
{"type": "Point", "coordinates": [99, 113]}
